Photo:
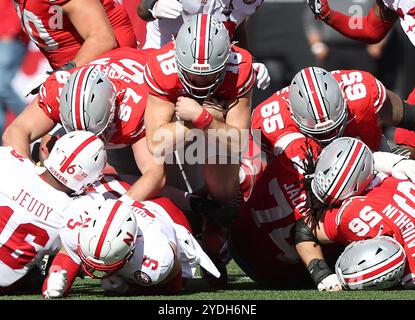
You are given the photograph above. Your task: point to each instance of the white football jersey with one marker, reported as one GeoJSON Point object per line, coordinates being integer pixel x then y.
{"type": "Point", "coordinates": [154, 256]}
{"type": "Point", "coordinates": [31, 215]}
{"type": "Point", "coordinates": [231, 12]}
{"type": "Point", "coordinates": [406, 11]}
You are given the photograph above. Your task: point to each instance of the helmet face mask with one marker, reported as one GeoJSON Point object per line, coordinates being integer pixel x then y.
{"type": "Point", "coordinates": [317, 105]}
{"type": "Point", "coordinates": [373, 264]}
{"type": "Point", "coordinates": [202, 49]}
{"type": "Point", "coordinates": [343, 170]}
{"type": "Point", "coordinates": [107, 241]}
{"type": "Point", "coordinates": [88, 102]}
{"type": "Point", "coordinates": [77, 160]}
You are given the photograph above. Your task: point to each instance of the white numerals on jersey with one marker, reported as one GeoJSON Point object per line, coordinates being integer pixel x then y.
{"type": "Point", "coordinates": [368, 219]}
{"type": "Point", "coordinates": [279, 235]}
{"type": "Point", "coordinates": [355, 89]}
{"type": "Point", "coordinates": [125, 110]}
{"type": "Point", "coordinates": [136, 69]}
{"type": "Point", "coordinates": [235, 59]}
{"type": "Point", "coordinates": [272, 117]}
{"type": "Point", "coordinates": [167, 62]}
{"type": "Point", "coordinates": [407, 203]}
{"type": "Point", "coordinates": [30, 19]}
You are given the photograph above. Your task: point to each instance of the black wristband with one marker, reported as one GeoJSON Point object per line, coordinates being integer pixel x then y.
{"type": "Point", "coordinates": [319, 270]}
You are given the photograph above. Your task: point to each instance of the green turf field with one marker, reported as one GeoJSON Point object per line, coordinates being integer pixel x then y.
{"type": "Point", "coordinates": [240, 288]}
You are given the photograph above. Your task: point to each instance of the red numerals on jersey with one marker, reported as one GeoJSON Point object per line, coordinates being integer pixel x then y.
{"type": "Point", "coordinates": [167, 62]}
{"type": "Point", "coordinates": [368, 218]}
{"type": "Point", "coordinates": [147, 262]}
{"type": "Point", "coordinates": [18, 250]}
{"type": "Point", "coordinates": [355, 89]}
{"type": "Point", "coordinates": [272, 117]}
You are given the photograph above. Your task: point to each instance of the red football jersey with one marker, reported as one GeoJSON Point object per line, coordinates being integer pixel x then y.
{"type": "Point", "coordinates": [388, 209]}
{"type": "Point", "coordinates": [124, 67]}
{"type": "Point", "coordinates": [262, 235]}
{"type": "Point", "coordinates": [163, 81]}
{"type": "Point", "coordinates": [54, 33]}
{"type": "Point", "coordinates": [364, 95]}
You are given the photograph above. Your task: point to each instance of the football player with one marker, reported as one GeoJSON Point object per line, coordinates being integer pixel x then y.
{"type": "Point", "coordinates": [106, 97]}
{"type": "Point", "coordinates": [138, 250]}
{"type": "Point", "coordinates": [325, 105]}
{"type": "Point", "coordinates": [72, 33]}
{"type": "Point", "coordinates": [166, 17]}
{"type": "Point", "coordinates": [277, 200]}
{"type": "Point", "coordinates": [349, 203]}
{"type": "Point", "coordinates": [37, 201]}
{"type": "Point", "coordinates": [184, 78]}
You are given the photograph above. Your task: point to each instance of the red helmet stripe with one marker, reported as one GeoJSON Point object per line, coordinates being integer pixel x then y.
{"type": "Point", "coordinates": [82, 146]}
{"type": "Point", "coordinates": [202, 37]}
{"type": "Point", "coordinates": [346, 171]}
{"type": "Point", "coordinates": [314, 95]}
{"type": "Point", "coordinates": [399, 259]}
{"type": "Point", "coordinates": [78, 98]}
{"type": "Point", "coordinates": [106, 227]}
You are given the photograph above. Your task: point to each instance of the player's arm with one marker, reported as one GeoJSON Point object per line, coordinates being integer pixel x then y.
{"type": "Point", "coordinates": [397, 112]}
{"type": "Point", "coordinates": [162, 131]}
{"type": "Point", "coordinates": [62, 274]}
{"type": "Point", "coordinates": [374, 26]}
{"type": "Point", "coordinates": [237, 119]}
{"type": "Point", "coordinates": [90, 20]}
{"type": "Point", "coordinates": [153, 176]}
{"type": "Point", "coordinates": [30, 125]}
{"type": "Point", "coordinates": [307, 244]}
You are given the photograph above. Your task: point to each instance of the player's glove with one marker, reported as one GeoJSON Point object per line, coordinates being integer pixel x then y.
{"type": "Point", "coordinates": [404, 169]}
{"type": "Point", "coordinates": [262, 76]}
{"type": "Point", "coordinates": [330, 283]}
{"type": "Point", "coordinates": [34, 85]}
{"type": "Point", "coordinates": [56, 284]}
{"type": "Point", "coordinates": [167, 9]}
{"type": "Point", "coordinates": [320, 8]}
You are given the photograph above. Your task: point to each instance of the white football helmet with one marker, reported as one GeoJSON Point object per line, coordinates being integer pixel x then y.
{"type": "Point", "coordinates": [108, 240]}
{"type": "Point", "coordinates": [373, 264]}
{"type": "Point", "coordinates": [317, 104]}
{"type": "Point", "coordinates": [77, 160]}
{"type": "Point", "coordinates": [343, 169]}
{"type": "Point", "coordinates": [202, 48]}
{"type": "Point", "coordinates": [87, 102]}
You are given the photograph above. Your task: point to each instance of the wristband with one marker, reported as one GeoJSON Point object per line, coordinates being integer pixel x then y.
{"type": "Point", "coordinates": [67, 66]}
{"type": "Point", "coordinates": [203, 120]}
{"type": "Point", "coordinates": [319, 270]}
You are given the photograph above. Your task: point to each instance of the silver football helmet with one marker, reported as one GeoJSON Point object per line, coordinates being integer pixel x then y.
{"type": "Point", "coordinates": [317, 104]}
{"type": "Point", "coordinates": [373, 264]}
{"type": "Point", "coordinates": [202, 48]}
{"type": "Point", "coordinates": [343, 169]}
{"type": "Point", "coordinates": [87, 102]}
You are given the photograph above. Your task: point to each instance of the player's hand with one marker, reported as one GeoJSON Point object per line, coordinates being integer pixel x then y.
{"type": "Point", "coordinates": [330, 283]}
{"type": "Point", "coordinates": [187, 109]}
{"type": "Point", "coordinates": [262, 76]}
{"type": "Point", "coordinates": [320, 8]}
{"type": "Point", "coordinates": [56, 284]}
{"type": "Point", "coordinates": [167, 9]}
{"type": "Point", "coordinates": [404, 169]}
{"type": "Point", "coordinates": [114, 285]}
